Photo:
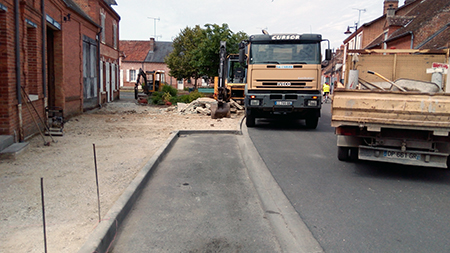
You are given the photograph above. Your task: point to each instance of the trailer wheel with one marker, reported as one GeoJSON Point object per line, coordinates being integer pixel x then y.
{"type": "Point", "coordinates": [343, 153]}
{"type": "Point", "coordinates": [311, 122]}
{"type": "Point", "coordinates": [353, 154]}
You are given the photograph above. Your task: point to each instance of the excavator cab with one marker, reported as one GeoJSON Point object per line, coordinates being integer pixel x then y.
{"type": "Point", "coordinates": [236, 78]}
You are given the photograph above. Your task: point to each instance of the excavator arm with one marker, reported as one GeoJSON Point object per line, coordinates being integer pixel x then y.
{"type": "Point", "coordinates": [222, 109]}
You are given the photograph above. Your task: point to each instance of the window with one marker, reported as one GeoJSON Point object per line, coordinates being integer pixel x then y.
{"type": "Point", "coordinates": [103, 18]}
{"type": "Point", "coordinates": [132, 75]}
{"type": "Point", "coordinates": [115, 35]}
{"type": "Point", "coordinates": [285, 53]}
{"type": "Point", "coordinates": [32, 58]}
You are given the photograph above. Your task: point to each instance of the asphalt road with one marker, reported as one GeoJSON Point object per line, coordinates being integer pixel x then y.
{"type": "Point", "coordinates": [355, 206]}
{"type": "Point", "coordinates": [199, 199]}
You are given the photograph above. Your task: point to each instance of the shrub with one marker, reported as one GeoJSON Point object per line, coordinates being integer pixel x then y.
{"type": "Point", "coordinates": [169, 94]}
{"type": "Point", "coordinates": [187, 98]}
{"type": "Point", "coordinates": [157, 98]}
{"type": "Point", "coordinates": [171, 90]}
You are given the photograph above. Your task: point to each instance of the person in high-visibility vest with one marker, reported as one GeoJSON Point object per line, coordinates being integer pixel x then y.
{"type": "Point", "coordinates": [326, 91]}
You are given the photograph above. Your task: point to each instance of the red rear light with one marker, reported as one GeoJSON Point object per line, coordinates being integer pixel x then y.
{"type": "Point", "coordinates": [314, 97]}
{"type": "Point", "coordinates": [252, 96]}
{"type": "Point", "coordinates": [346, 130]}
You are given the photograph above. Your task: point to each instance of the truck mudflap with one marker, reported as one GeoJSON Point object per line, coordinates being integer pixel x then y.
{"type": "Point", "coordinates": [409, 157]}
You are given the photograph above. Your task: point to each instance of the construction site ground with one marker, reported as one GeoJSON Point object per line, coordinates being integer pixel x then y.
{"type": "Point", "coordinates": [125, 135]}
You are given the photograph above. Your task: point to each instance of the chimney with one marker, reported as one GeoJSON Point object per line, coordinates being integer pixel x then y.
{"type": "Point", "coordinates": [152, 44]}
{"type": "Point", "coordinates": [390, 12]}
{"type": "Point", "coordinates": [390, 4]}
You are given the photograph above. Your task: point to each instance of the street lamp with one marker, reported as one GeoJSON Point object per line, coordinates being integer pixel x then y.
{"type": "Point", "coordinates": [355, 26]}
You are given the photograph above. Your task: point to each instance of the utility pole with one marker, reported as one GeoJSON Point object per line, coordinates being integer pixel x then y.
{"type": "Point", "coordinates": [154, 20]}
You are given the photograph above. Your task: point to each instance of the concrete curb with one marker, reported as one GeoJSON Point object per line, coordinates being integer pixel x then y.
{"type": "Point", "coordinates": [104, 234]}
{"type": "Point", "coordinates": [292, 233]}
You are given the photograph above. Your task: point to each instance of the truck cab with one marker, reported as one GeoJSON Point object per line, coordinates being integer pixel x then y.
{"type": "Point", "coordinates": [283, 77]}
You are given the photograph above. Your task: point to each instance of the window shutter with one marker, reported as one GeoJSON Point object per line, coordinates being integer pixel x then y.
{"type": "Point", "coordinates": [128, 75]}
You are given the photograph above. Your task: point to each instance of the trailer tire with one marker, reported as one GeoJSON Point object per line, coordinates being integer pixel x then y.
{"type": "Point", "coordinates": [343, 153]}
{"type": "Point", "coordinates": [311, 122]}
{"type": "Point", "coordinates": [353, 154]}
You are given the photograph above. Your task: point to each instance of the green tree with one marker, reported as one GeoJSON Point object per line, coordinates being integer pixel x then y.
{"type": "Point", "coordinates": [207, 54]}
{"type": "Point", "coordinates": [180, 60]}
{"type": "Point", "coordinates": [196, 50]}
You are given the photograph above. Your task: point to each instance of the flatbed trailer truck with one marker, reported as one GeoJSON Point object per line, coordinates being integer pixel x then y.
{"type": "Point", "coordinates": [409, 127]}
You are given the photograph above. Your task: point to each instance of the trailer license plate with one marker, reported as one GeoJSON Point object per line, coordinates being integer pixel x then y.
{"type": "Point", "coordinates": [401, 155]}
{"type": "Point", "coordinates": [283, 102]}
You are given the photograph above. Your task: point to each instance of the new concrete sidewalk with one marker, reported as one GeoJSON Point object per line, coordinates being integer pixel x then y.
{"type": "Point", "coordinates": [206, 191]}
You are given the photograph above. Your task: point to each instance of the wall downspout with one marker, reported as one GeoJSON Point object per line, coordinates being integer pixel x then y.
{"type": "Point", "coordinates": [18, 70]}
{"type": "Point", "coordinates": [412, 39]}
{"type": "Point", "coordinates": [98, 69]}
{"type": "Point", "coordinates": [44, 53]}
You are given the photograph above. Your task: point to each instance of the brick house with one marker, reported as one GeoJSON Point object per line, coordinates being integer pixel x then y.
{"type": "Point", "coordinates": [49, 58]}
{"type": "Point", "coordinates": [146, 54]}
{"type": "Point", "coordinates": [333, 71]}
{"type": "Point", "coordinates": [102, 13]}
{"type": "Point", "coordinates": [418, 24]}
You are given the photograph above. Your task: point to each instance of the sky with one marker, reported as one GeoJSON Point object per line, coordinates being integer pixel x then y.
{"type": "Point", "coordinates": [139, 18]}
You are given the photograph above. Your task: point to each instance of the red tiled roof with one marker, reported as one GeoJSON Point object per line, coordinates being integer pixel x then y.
{"type": "Point", "coordinates": [440, 41]}
{"type": "Point", "coordinates": [424, 13]}
{"type": "Point", "coordinates": [134, 50]}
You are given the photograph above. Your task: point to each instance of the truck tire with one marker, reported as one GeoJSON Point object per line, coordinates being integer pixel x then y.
{"type": "Point", "coordinates": [250, 120]}
{"type": "Point", "coordinates": [354, 154]}
{"type": "Point", "coordinates": [311, 122]}
{"type": "Point", "coordinates": [343, 153]}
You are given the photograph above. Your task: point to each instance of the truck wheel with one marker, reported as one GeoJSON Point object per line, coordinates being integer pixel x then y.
{"type": "Point", "coordinates": [311, 122]}
{"type": "Point", "coordinates": [250, 120]}
{"type": "Point", "coordinates": [343, 153]}
{"type": "Point", "coordinates": [353, 154]}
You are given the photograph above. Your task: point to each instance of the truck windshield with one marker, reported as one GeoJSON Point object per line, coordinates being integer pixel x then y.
{"type": "Point", "coordinates": [285, 53]}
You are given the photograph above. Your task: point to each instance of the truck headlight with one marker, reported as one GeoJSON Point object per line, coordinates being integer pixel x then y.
{"type": "Point", "coordinates": [254, 102]}
{"type": "Point", "coordinates": [312, 102]}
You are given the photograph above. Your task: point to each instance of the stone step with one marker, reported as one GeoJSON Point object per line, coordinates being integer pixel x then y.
{"type": "Point", "coordinates": [6, 141]}
{"type": "Point", "coordinates": [12, 151]}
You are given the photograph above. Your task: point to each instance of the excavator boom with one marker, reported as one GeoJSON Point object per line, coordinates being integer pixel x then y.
{"type": "Point", "coordinates": [222, 109]}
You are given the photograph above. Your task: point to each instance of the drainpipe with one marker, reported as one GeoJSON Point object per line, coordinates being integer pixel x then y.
{"type": "Point", "coordinates": [412, 39]}
{"type": "Point", "coordinates": [44, 53]}
{"type": "Point", "coordinates": [17, 56]}
{"type": "Point", "coordinates": [98, 69]}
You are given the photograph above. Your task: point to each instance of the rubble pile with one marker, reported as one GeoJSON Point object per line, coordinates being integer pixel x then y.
{"type": "Point", "coordinates": [203, 106]}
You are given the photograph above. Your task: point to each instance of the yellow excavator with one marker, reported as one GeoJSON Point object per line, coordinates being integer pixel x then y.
{"type": "Point", "coordinates": [150, 81]}
{"type": "Point", "coordinates": [229, 85]}
{"type": "Point", "coordinates": [235, 78]}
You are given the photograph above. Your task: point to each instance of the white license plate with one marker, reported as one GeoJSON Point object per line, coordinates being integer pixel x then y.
{"type": "Point", "coordinates": [401, 155]}
{"type": "Point", "coordinates": [283, 102]}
